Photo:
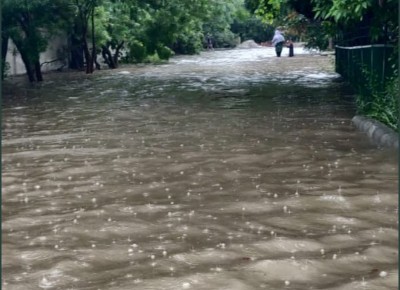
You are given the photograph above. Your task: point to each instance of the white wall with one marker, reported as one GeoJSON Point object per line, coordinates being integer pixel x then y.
{"type": "Point", "coordinates": [57, 45]}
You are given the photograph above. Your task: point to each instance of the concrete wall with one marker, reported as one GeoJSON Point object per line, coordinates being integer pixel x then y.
{"type": "Point", "coordinates": [56, 49]}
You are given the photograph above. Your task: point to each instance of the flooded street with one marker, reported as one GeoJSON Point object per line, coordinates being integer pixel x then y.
{"type": "Point", "coordinates": [231, 170]}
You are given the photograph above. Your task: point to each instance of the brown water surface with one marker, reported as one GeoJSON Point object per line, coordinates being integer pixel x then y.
{"type": "Point", "coordinates": [228, 170]}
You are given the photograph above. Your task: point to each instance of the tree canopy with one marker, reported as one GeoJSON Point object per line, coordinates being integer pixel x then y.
{"type": "Point", "coordinates": [349, 22]}
{"type": "Point", "coordinates": [138, 30]}
{"type": "Point", "coordinates": [118, 30]}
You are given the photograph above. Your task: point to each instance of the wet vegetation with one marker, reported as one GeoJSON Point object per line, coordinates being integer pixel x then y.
{"type": "Point", "coordinates": [123, 30]}
{"type": "Point", "coordinates": [381, 105]}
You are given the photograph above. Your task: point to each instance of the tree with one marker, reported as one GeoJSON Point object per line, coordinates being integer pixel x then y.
{"type": "Point", "coordinates": [220, 18]}
{"type": "Point", "coordinates": [380, 17]}
{"type": "Point", "coordinates": [84, 18]}
{"type": "Point", "coordinates": [29, 26]}
{"type": "Point", "coordinates": [114, 25]}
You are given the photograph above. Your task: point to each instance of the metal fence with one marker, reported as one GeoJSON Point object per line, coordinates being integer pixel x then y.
{"type": "Point", "coordinates": [366, 67]}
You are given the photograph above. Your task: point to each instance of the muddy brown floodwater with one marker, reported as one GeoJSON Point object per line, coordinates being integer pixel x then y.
{"type": "Point", "coordinates": [229, 170]}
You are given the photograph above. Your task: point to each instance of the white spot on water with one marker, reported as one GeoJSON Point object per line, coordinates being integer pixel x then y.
{"type": "Point", "coordinates": [383, 274]}
{"type": "Point", "coordinates": [44, 283]}
{"type": "Point", "coordinates": [221, 245]}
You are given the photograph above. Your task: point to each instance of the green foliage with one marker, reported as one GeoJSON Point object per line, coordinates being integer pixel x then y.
{"type": "Point", "coordinates": [219, 19]}
{"type": "Point", "coordinates": [189, 42]}
{"type": "Point", "coordinates": [224, 39]}
{"type": "Point", "coordinates": [253, 28]}
{"type": "Point", "coordinates": [317, 36]}
{"type": "Point", "coordinates": [164, 52]}
{"type": "Point", "coordinates": [381, 16]}
{"type": "Point", "coordinates": [382, 105]}
{"type": "Point", "coordinates": [30, 24]}
{"type": "Point", "coordinates": [137, 52]}
{"type": "Point", "coordinates": [271, 11]}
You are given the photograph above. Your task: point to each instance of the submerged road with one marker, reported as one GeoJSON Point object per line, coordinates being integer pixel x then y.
{"type": "Point", "coordinates": [229, 170]}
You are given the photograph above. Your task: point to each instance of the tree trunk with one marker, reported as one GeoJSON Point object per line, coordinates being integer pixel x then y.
{"type": "Point", "coordinates": [38, 71]}
{"type": "Point", "coordinates": [330, 45]}
{"type": "Point", "coordinates": [93, 44]}
{"type": "Point", "coordinates": [28, 65]}
{"type": "Point", "coordinates": [29, 50]}
{"type": "Point", "coordinates": [88, 58]}
{"type": "Point", "coordinates": [116, 54]}
{"type": "Point", "coordinates": [108, 59]}
{"type": "Point", "coordinates": [85, 47]}
{"type": "Point", "coordinates": [76, 52]}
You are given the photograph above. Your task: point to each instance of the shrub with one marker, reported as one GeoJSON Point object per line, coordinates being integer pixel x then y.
{"type": "Point", "coordinates": [137, 52]}
{"type": "Point", "coordinates": [382, 106]}
{"type": "Point", "coordinates": [164, 52]}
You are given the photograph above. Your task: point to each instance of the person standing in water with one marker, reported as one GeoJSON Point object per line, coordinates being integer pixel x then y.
{"type": "Point", "coordinates": [209, 42]}
{"type": "Point", "coordinates": [289, 44]}
{"type": "Point", "coordinates": [278, 41]}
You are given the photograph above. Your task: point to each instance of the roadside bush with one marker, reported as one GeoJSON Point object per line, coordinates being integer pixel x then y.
{"type": "Point", "coordinates": [382, 106]}
{"type": "Point", "coordinates": [224, 39]}
{"type": "Point", "coordinates": [188, 43]}
{"type": "Point", "coordinates": [164, 52]}
{"type": "Point", "coordinates": [137, 52]}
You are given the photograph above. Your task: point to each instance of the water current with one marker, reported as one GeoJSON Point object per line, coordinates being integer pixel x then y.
{"type": "Point", "coordinates": [228, 170]}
